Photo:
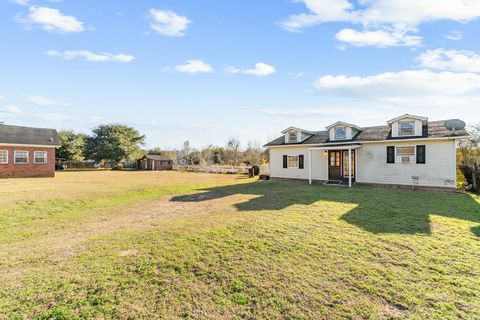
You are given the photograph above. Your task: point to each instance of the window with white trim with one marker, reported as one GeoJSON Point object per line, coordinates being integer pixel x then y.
{"type": "Point", "coordinates": [406, 128]}
{"type": "Point", "coordinates": [405, 154]}
{"type": "Point", "coordinates": [292, 136]}
{"type": "Point", "coordinates": [40, 157]}
{"type": "Point", "coordinates": [3, 156]}
{"type": "Point", "coordinates": [340, 133]}
{"type": "Point", "coordinates": [293, 162]}
{"type": "Point", "coordinates": [20, 157]}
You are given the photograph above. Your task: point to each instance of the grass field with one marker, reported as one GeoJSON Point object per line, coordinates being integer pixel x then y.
{"type": "Point", "coordinates": [128, 245]}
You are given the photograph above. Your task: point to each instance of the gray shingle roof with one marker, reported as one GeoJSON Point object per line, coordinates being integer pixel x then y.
{"type": "Point", "coordinates": [435, 129]}
{"type": "Point", "coordinates": [155, 157]}
{"type": "Point", "coordinates": [28, 136]}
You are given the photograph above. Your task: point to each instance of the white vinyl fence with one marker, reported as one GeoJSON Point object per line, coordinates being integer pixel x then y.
{"type": "Point", "coordinates": [212, 169]}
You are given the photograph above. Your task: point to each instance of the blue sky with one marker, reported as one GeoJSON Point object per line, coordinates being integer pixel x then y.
{"type": "Point", "coordinates": [207, 70]}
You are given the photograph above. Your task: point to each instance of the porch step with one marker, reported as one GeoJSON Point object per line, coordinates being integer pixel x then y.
{"type": "Point", "coordinates": [335, 183]}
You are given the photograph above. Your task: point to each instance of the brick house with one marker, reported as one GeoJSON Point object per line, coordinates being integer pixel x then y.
{"type": "Point", "coordinates": [27, 152]}
{"type": "Point", "coordinates": [154, 162]}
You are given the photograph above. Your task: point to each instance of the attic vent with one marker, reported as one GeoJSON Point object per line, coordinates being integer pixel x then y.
{"type": "Point", "coordinates": [51, 139]}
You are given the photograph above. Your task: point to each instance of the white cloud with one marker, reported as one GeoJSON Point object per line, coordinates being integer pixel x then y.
{"type": "Point", "coordinates": [312, 112]}
{"type": "Point", "coordinates": [2, 98]}
{"type": "Point", "coordinates": [296, 74]}
{"type": "Point", "coordinates": [45, 102]}
{"type": "Point", "coordinates": [10, 109]}
{"type": "Point", "coordinates": [413, 89]}
{"type": "Point", "coordinates": [168, 23]}
{"type": "Point", "coordinates": [453, 60]}
{"type": "Point", "coordinates": [404, 83]}
{"type": "Point", "coordinates": [454, 35]}
{"type": "Point", "coordinates": [53, 117]}
{"type": "Point", "coordinates": [21, 2]}
{"type": "Point", "coordinates": [260, 70]}
{"type": "Point", "coordinates": [378, 38]}
{"type": "Point", "coordinates": [90, 56]}
{"type": "Point", "coordinates": [379, 16]}
{"type": "Point", "coordinates": [194, 66]}
{"type": "Point", "coordinates": [53, 20]}
{"type": "Point", "coordinates": [321, 11]}
{"type": "Point", "coordinates": [403, 14]}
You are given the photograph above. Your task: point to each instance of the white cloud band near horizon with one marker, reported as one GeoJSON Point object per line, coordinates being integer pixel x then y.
{"type": "Point", "coordinates": [411, 89]}
{"type": "Point", "coordinates": [90, 56]}
{"type": "Point", "coordinates": [45, 102]}
{"type": "Point", "coordinates": [10, 109]}
{"type": "Point", "coordinates": [378, 38]}
{"type": "Point", "coordinates": [452, 60]}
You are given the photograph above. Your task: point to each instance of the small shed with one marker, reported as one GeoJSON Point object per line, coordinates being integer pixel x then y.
{"type": "Point", "coordinates": [154, 162]}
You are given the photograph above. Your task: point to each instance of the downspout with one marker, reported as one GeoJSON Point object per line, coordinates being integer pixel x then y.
{"type": "Point", "coordinates": [349, 167]}
{"type": "Point", "coordinates": [309, 166]}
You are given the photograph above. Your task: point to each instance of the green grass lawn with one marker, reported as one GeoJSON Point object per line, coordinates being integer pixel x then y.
{"type": "Point", "coordinates": [196, 246]}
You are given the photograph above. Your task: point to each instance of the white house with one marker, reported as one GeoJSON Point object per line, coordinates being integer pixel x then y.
{"type": "Point", "coordinates": [409, 150]}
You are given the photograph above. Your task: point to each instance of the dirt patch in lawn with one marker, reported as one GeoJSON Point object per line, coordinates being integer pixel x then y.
{"type": "Point", "coordinates": [55, 247]}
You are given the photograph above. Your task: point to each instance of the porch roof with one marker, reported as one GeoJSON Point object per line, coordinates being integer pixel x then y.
{"type": "Point", "coordinates": [343, 147]}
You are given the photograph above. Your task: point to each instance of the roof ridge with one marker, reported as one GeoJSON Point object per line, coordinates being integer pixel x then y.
{"type": "Point", "coordinates": [11, 125]}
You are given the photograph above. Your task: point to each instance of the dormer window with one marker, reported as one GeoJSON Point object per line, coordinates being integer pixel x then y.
{"type": "Point", "coordinates": [292, 136]}
{"type": "Point", "coordinates": [340, 133]}
{"type": "Point", "coordinates": [406, 128]}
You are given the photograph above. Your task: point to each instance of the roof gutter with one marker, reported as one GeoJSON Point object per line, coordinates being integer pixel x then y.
{"type": "Point", "coordinates": [29, 145]}
{"type": "Point", "coordinates": [365, 142]}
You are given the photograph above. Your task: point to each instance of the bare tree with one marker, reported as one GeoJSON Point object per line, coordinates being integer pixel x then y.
{"type": "Point", "coordinates": [253, 153]}
{"type": "Point", "coordinates": [469, 157]}
{"type": "Point", "coordinates": [233, 150]}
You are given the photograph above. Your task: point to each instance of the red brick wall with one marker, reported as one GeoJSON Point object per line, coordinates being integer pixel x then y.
{"type": "Point", "coordinates": [158, 167]}
{"type": "Point", "coordinates": [31, 169]}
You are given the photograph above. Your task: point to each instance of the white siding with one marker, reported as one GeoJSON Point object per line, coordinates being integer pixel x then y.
{"type": "Point", "coordinates": [372, 166]}
{"type": "Point", "coordinates": [439, 167]}
{"type": "Point", "coordinates": [319, 164]}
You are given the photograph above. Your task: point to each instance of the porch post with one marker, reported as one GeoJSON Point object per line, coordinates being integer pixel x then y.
{"type": "Point", "coordinates": [309, 166]}
{"type": "Point", "coordinates": [349, 167]}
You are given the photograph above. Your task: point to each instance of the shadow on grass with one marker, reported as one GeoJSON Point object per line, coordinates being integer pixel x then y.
{"type": "Point", "coordinates": [378, 210]}
{"type": "Point", "coordinates": [476, 230]}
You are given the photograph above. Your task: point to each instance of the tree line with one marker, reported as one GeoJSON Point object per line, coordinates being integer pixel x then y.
{"type": "Point", "coordinates": [114, 143]}
{"type": "Point", "coordinates": [468, 158]}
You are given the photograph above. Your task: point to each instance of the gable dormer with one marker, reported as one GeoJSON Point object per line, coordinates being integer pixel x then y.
{"type": "Point", "coordinates": [296, 135]}
{"type": "Point", "coordinates": [407, 126]}
{"type": "Point", "coordinates": [342, 131]}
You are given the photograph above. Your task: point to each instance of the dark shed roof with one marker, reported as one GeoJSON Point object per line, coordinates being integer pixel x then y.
{"type": "Point", "coordinates": [155, 157]}
{"type": "Point", "coordinates": [434, 129]}
{"type": "Point", "coordinates": [28, 136]}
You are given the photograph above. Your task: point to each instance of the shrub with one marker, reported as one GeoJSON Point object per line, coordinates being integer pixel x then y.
{"type": "Point", "coordinates": [256, 170]}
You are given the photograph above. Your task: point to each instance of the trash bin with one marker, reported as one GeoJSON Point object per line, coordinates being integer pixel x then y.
{"type": "Point", "coordinates": [250, 172]}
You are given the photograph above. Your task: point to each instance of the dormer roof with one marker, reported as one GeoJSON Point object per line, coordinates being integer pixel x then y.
{"type": "Point", "coordinates": [341, 123]}
{"type": "Point", "coordinates": [296, 129]}
{"type": "Point", "coordinates": [409, 116]}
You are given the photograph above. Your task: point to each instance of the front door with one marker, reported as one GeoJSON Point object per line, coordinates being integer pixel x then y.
{"type": "Point", "coordinates": [335, 165]}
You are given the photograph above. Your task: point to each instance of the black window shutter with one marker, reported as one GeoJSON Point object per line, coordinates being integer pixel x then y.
{"type": "Point", "coordinates": [285, 162]}
{"type": "Point", "coordinates": [300, 162]}
{"type": "Point", "coordinates": [421, 154]}
{"type": "Point", "coordinates": [390, 154]}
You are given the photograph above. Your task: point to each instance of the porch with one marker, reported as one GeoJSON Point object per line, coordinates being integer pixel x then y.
{"type": "Point", "coordinates": [341, 162]}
